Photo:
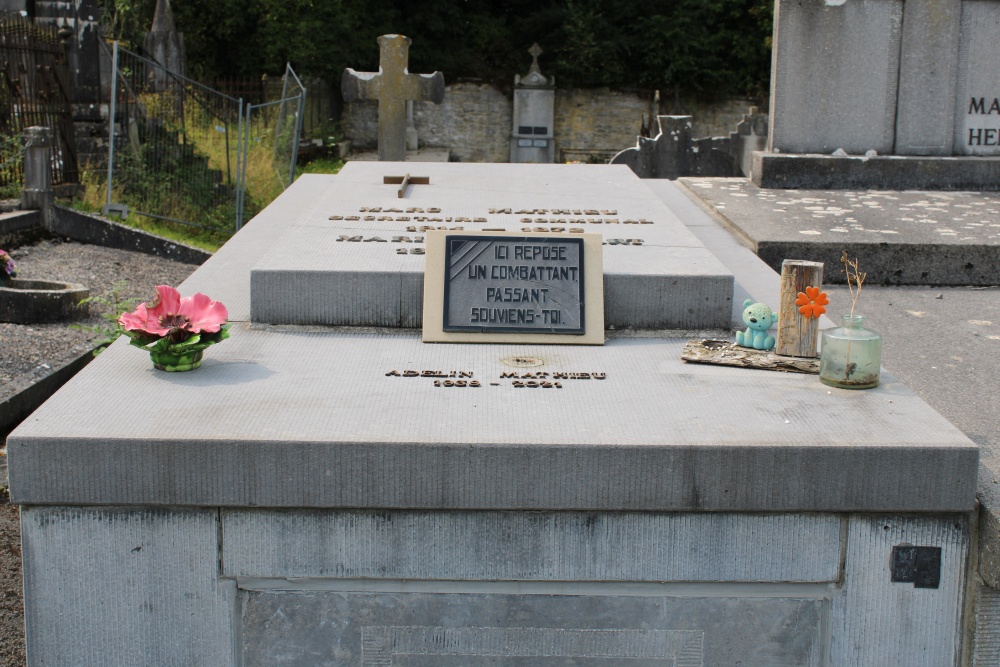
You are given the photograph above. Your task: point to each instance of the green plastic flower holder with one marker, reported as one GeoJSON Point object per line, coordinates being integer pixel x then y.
{"type": "Point", "coordinates": [174, 363]}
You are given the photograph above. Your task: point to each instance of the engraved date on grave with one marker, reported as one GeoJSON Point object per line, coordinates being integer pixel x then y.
{"type": "Point", "coordinates": [526, 380]}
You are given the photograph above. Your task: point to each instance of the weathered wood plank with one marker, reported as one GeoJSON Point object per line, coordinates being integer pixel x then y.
{"type": "Point", "coordinates": [728, 353]}
{"type": "Point", "coordinates": [796, 333]}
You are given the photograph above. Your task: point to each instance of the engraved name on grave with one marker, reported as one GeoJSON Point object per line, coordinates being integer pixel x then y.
{"type": "Point", "coordinates": [417, 214]}
{"type": "Point", "coordinates": [983, 130]}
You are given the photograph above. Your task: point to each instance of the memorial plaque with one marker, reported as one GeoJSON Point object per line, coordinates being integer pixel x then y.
{"type": "Point", "coordinates": [516, 287]}
{"type": "Point", "coordinates": [501, 284]}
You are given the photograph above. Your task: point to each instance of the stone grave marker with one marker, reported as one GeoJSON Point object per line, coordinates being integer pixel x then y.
{"type": "Point", "coordinates": [328, 486]}
{"type": "Point", "coordinates": [392, 86]}
{"type": "Point", "coordinates": [912, 80]}
{"type": "Point", "coordinates": [532, 139]}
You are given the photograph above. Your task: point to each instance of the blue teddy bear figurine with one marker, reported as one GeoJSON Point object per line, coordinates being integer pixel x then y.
{"type": "Point", "coordinates": [758, 318]}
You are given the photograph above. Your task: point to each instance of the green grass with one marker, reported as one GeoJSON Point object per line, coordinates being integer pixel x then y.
{"type": "Point", "coordinates": [93, 200]}
{"type": "Point", "coordinates": [322, 165]}
{"type": "Point", "coordinates": [262, 181]}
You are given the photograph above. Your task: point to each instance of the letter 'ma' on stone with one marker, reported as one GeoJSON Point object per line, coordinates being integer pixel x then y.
{"type": "Point", "coordinates": [978, 106]}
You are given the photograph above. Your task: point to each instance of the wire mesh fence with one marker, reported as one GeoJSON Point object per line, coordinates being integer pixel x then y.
{"type": "Point", "coordinates": [180, 151]}
{"type": "Point", "coordinates": [272, 132]}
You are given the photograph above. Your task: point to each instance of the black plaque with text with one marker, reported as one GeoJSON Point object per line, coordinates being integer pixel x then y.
{"type": "Point", "coordinates": [509, 284]}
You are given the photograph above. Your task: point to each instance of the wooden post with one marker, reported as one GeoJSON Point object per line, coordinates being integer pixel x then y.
{"type": "Point", "coordinates": [797, 333]}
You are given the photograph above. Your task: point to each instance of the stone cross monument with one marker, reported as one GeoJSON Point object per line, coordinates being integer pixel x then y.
{"type": "Point", "coordinates": [392, 86]}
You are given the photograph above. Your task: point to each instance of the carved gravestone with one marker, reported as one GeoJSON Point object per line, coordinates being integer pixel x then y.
{"type": "Point", "coordinates": [392, 86]}
{"type": "Point", "coordinates": [913, 79]}
{"type": "Point", "coordinates": [534, 114]}
{"type": "Point", "coordinates": [165, 45]}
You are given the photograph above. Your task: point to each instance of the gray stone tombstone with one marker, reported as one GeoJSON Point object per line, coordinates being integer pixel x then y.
{"type": "Point", "coordinates": [534, 115]}
{"type": "Point", "coordinates": [673, 153]}
{"type": "Point", "coordinates": [915, 79]}
{"type": "Point", "coordinates": [392, 86]}
{"type": "Point", "coordinates": [927, 83]}
{"type": "Point", "coordinates": [165, 45]}
{"type": "Point", "coordinates": [750, 136]}
{"type": "Point", "coordinates": [78, 23]}
{"type": "Point", "coordinates": [834, 76]}
{"type": "Point", "coordinates": [977, 108]}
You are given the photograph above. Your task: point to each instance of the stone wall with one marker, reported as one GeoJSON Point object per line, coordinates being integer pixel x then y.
{"type": "Point", "coordinates": [475, 122]}
{"type": "Point", "coordinates": [597, 123]}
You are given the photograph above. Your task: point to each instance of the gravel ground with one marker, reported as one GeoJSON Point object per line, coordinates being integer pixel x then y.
{"type": "Point", "coordinates": [30, 352]}
{"type": "Point", "coordinates": [11, 589]}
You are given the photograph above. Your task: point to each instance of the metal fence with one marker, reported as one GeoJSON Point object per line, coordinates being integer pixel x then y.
{"type": "Point", "coordinates": [34, 91]}
{"type": "Point", "coordinates": [271, 126]}
{"type": "Point", "coordinates": [179, 151]}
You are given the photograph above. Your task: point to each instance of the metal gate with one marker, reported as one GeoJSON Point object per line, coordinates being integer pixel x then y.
{"type": "Point", "coordinates": [35, 91]}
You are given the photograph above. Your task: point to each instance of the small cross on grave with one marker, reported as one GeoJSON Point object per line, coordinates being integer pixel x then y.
{"type": "Point", "coordinates": [392, 86]}
{"type": "Point", "coordinates": [535, 51]}
{"type": "Point", "coordinates": [405, 181]}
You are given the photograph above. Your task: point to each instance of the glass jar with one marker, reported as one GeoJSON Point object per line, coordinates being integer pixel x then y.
{"type": "Point", "coordinates": [850, 356]}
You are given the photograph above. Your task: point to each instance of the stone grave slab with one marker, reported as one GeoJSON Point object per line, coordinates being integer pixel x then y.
{"type": "Point", "coordinates": [365, 267]}
{"type": "Point", "coordinates": [285, 417]}
{"type": "Point", "coordinates": [904, 238]}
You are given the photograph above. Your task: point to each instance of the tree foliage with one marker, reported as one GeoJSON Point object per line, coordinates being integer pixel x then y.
{"type": "Point", "coordinates": [706, 48]}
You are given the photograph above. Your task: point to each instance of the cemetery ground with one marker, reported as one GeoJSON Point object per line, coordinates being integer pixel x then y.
{"type": "Point", "coordinates": [30, 352]}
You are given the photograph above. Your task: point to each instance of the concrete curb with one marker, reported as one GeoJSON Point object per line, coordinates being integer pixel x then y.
{"type": "Point", "coordinates": [16, 408]}
{"type": "Point", "coordinates": [893, 172]}
{"type": "Point", "coordinates": [93, 229]}
{"type": "Point", "coordinates": [20, 228]}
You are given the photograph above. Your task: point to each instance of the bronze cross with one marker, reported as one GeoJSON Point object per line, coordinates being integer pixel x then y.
{"type": "Point", "coordinates": [392, 85]}
{"type": "Point", "coordinates": [406, 181]}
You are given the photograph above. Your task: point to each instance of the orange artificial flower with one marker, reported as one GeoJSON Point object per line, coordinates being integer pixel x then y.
{"type": "Point", "coordinates": [811, 302]}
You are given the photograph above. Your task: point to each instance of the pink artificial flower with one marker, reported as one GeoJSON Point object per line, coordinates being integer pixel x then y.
{"type": "Point", "coordinates": [170, 315]}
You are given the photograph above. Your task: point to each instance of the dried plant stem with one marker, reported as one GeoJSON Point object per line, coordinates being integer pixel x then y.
{"type": "Point", "coordinates": [855, 279]}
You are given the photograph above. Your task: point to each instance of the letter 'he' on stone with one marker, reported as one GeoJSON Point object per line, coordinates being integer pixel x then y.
{"type": "Point", "coordinates": [488, 287]}
{"type": "Point", "coordinates": [392, 86]}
